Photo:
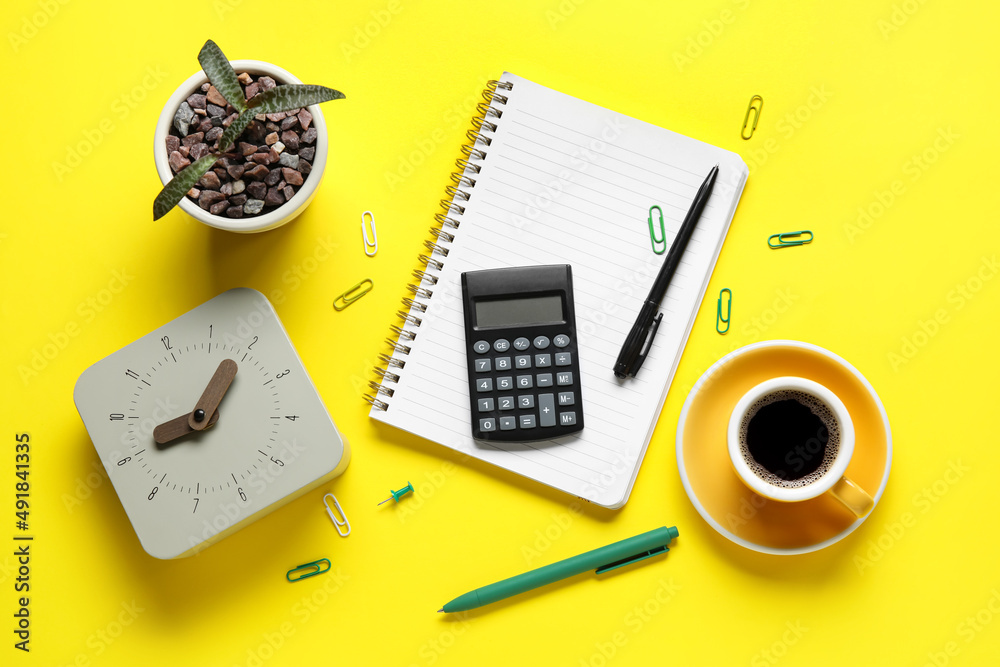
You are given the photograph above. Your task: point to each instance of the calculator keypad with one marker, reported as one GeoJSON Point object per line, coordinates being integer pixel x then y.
{"type": "Point", "coordinates": [526, 387]}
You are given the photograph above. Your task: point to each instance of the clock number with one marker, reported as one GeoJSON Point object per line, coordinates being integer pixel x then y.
{"type": "Point", "coordinates": [166, 342]}
{"type": "Point", "coordinates": [243, 496]}
{"type": "Point", "coordinates": [281, 375]}
{"type": "Point", "coordinates": [277, 461]}
{"type": "Point", "coordinates": [292, 417]}
{"type": "Point", "coordinates": [209, 335]}
{"type": "Point", "coordinates": [250, 346]}
{"type": "Point", "coordinates": [152, 493]}
{"type": "Point", "coordinates": [195, 506]}
{"type": "Point", "coordinates": [126, 460]}
{"type": "Point", "coordinates": [132, 374]}
{"type": "Point", "coordinates": [116, 416]}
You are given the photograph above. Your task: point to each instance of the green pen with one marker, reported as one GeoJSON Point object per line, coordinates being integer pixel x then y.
{"type": "Point", "coordinates": [603, 559]}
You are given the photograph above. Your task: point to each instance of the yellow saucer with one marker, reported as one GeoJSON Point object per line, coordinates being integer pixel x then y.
{"type": "Point", "coordinates": [721, 497]}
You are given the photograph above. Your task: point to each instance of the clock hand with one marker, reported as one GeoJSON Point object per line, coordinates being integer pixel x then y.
{"type": "Point", "coordinates": [212, 395]}
{"type": "Point", "coordinates": [175, 428]}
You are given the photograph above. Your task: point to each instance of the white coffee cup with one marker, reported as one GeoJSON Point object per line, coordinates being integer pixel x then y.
{"type": "Point", "coordinates": [837, 451]}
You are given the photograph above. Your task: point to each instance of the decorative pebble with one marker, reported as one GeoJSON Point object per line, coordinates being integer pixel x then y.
{"type": "Point", "coordinates": [271, 127]}
{"type": "Point", "coordinates": [196, 101]}
{"type": "Point", "coordinates": [289, 192]}
{"type": "Point", "coordinates": [183, 117]}
{"type": "Point", "coordinates": [253, 206]}
{"type": "Point", "coordinates": [276, 117]}
{"type": "Point", "coordinates": [289, 123]}
{"type": "Point", "coordinates": [258, 173]}
{"type": "Point", "coordinates": [194, 193]}
{"type": "Point", "coordinates": [290, 160]}
{"type": "Point", "coordinates": [205, 125]}
{"type": "Point", "coordinates": [305, 118]}
{"type": "Point", "coordinates": [247, 149]}
{"type": "Point", "coordinates": [209, 181]}
{"type": "Point", "coordinates": [291, 176]}
{"type": "Point", "coordinates": [229, 119]}
{"type": "Point", "coordinates": [273, 177]}
{"type": "Point", "coordinates": [173, 143]}
{"type": "Point", "coordinates": [244, 78]}
{"type": "Point", "coordinates": [261, 158]}
{"type": "Point", "coordinates": [278, 147]}
{"type": "Point", "coordinates": [239, 186]}
{"type": "Point", "coordinates": [307, 153]}
{"type": "Point", "coordinates": [257, 190]}
{"type": "Point", "coordinates": [213, 135]}
{"type": "Point", "coordinates": [205, 86]}
{"type": "Point", "coordinates": [218, 207]}
{"type": "Point", "coordinates": [236, 171]}
{"type": "Point", "coordinates": [226, 189]}
{"type": "Point", "coordinates": [184, 150]}
{"type": "Point", "coordinates": [215, 97]}
{"type": "Point", "coordinates": [177, 161]}
{"type": "Point", "coordinates": [235, 211]}
{"type": "Point", "coordinates": [198, 151]}
{"type": "Point", "coordinates": [192, 139]}
{"type": "Point", "coordinates": [271, 138]}
{"type": "Point", "coordinates": [238, 200]}
{"type": "Point", "coordinates": [291, 140]}
{"type": "Point", "coordinates": [209, 197]}
{"type": "Point", "coordinates": [252, 90]}
{"type": "Point", "coordinates": [266, 83]}
{"type": "Point", "coordinates": [309, 136]}
{"type": "Point", "coordinates": [274, 197]}
{"type": "Point", "coordinates": [216, 111]}
{"type": "Point", "coordinates": [304, 166]}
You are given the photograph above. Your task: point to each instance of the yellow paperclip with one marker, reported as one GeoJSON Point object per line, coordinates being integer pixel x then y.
{"type": "Point", "coordinates": [719, 319]}
{"type": "Point", "coordinates": [371, 244]}
{"type": "Point", "coordinates": [353, 294]}
{"type": "Point", "coordinates": [337, 522]}
{"type": "Point", "coordinates": [308, 570]}
{"type": "Point", "coordinates": [746, 119]}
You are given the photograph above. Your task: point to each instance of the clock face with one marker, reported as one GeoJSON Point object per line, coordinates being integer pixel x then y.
{"type": "Point", "coordinates": [184, 482]}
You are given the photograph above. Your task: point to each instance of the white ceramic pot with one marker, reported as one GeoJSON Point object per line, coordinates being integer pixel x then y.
{"type": "Point", "coordinates": [282, 214]}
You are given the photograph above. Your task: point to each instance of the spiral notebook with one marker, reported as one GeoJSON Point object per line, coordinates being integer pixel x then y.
{"type": "Point", "coordinates": [550, 179]}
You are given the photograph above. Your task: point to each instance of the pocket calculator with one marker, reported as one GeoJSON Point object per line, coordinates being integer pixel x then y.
{"type": "Point", "coordinates": [523, 358]}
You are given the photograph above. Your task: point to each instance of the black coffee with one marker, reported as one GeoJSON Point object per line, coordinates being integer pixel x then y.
{"type": "Point", "coordinates": [789, 438]}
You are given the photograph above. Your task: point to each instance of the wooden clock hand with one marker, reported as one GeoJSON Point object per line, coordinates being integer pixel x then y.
{"type": "Point", "coordinates": [212, 396]}
{"type": "Point", "coordinates": [175, 428]}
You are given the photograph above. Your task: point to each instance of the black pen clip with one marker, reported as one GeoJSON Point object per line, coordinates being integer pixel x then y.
{"type": "Point", "coordinates": [645, 349]}
{"type": "Point", "coordinates": [656, 551]}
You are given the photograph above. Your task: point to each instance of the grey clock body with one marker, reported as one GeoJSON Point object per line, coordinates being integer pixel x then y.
{"type": "Point", "coordinates": [273, 442]}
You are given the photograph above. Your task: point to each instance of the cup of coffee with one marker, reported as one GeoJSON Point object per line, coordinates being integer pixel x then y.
{"type": "Point", "coordinates": [790, 439]}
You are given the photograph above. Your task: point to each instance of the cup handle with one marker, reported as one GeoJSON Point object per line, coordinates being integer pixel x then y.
{"type": "Point", "coordinates": [853, 496]}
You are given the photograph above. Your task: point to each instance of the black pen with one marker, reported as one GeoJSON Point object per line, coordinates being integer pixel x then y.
{"type": "Point", "coordinates": [640, 338]}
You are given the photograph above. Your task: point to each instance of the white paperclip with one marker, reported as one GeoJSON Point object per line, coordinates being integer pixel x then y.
{"type": "Point", "coordinates": [337, 522]}
{"type": "Point", "coordinates": [371, 244]}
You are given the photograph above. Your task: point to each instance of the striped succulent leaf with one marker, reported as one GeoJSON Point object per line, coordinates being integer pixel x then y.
{"type": "Point", "coordinates": [174, 191]}
{"type": "Point", "coordinates": [292, 96]}
{"type": "Point", "coordinates": [221, 74]}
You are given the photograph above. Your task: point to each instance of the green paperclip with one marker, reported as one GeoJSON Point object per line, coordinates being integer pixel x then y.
{"type": "Point", "coordinates": [719, 319]}
{"type": "Point", "coordinates": [353, 294]}
{"type": "Point", "coordinates": [788, 240]}
{"type": "Point", "coordinates": [315, 565]}
{"type": "Point", "coordinates": [652, 232]}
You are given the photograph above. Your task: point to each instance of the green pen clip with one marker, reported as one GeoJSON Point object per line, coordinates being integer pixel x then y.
{"type": "Point", "coordinates": [662, 241]}
{"type": "Point", "coordinates": [632, 559]}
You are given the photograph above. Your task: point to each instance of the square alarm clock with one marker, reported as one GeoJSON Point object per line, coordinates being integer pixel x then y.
{"type": "Point", "coordinates": [208, 423]}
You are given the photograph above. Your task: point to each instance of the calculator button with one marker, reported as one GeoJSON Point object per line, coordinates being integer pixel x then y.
{"type": "Point", "coordinates": [487, 425]}
{"type": "Point", "coordinates": [522, 361]}
{"type": "Point", "coordinates": [506, 402]}
{"type": "Point", "coordinates": [527, 421]}
{"type": "Point", "coordinates": [543, 360]}
{"type": "Point", "coordinates": [501, 345]}
{"type": "Point", "coordinates": [508, 423]}
{"type": "Point", "coordinates": [484, 384]}
{"type": "Point", "coordinates": [565, 398]}
{"type": "Point", "coordinates": [521, 344]}
{"type": "Point", "coordinates": [565, 419]}
{"type": "Point", "coordinates": [504, 383]}
{"type": "Point", "coordinates": [561, 340]}
{"type": "Point", "coordinates": [526, 402]}
{"type": "Point", "coordinates": [485, 404]}
{"type": "Point", "coordinates": [524, 382]}
{"type": "Point", "coordinates": [546, 410]}
{"type": "Point", "coordinates": [503, 363]}
{"type": "Point", "coordinates": [564, 378]}
{"type": "Point", "coordinates": [541, 342]}
{"type": "Point", "coordinates": [484, 365]}
{"type": "Point", "coordinates": [544, 379]}
{"type": "Point", "coordinates": [481, 347]}
{"type": "Point", "coordinates": [564, 358]}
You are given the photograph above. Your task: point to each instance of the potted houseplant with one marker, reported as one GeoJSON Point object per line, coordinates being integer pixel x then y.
{"type": "Point", "coordinates": [240, 145]}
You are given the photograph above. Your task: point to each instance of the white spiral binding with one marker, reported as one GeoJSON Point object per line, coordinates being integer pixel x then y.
{"type": "Point", "coordinates": [457, 193]}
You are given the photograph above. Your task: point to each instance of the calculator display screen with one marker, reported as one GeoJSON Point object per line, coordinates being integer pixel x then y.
{"type": "Point", "coordinates": [520, 311]}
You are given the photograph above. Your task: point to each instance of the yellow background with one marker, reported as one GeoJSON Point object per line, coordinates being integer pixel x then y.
{"type": "Point", "coordinates": [853, 91]}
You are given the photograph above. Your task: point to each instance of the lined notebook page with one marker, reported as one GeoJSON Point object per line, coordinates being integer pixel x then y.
{"type": "Point", "coordinates": [568, 182]}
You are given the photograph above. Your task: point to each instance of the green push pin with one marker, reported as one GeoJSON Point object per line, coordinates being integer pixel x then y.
{"type": "Point", "coordinates": [396, 495]}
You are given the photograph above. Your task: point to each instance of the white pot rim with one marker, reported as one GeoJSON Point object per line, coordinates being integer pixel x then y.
{"type": "Point", "coordinates": [282, 214]}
